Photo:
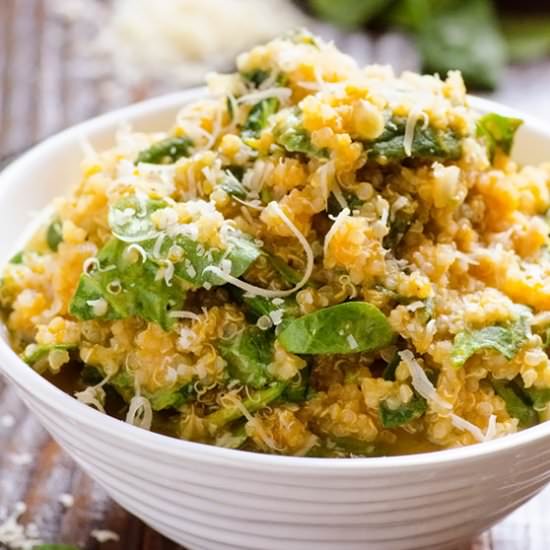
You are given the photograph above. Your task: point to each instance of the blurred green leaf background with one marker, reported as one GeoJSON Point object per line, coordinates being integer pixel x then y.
{"type": "Point", "coordinates": [478, 37]}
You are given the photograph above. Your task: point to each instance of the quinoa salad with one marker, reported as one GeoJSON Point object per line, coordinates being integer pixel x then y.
{"type": "Point", "coordinates": [316, 259]}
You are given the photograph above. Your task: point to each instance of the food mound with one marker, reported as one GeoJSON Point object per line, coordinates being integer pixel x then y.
{"type": "Point", "coordinates": [316, 260]}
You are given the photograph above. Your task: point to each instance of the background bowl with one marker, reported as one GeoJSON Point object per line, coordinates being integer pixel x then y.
{"type": "Point", "coordinates": [205, 497]}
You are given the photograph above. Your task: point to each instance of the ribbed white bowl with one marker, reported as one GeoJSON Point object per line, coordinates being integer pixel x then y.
{"type": "Point", "coordinates": [217, 499]}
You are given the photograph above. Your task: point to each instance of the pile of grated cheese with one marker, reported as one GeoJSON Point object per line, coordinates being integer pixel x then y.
{"type": "Point", "coordinates": [179, 40]}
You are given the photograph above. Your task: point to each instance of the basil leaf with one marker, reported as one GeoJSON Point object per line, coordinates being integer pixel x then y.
{"type": "Point", "coordinates": [248, 356]}
{"type": "Point", "coordinates": [407, 412]}
{"type": "Point", "coordinates": [506, 339]}
{"type": "Point", "coordinates": [258, 400]}
{"type": "Point", "coordinates": [54, 235]}
{"type": "Point", "coordinates": [351, 327]}
{"type": "Point", "coordinates": [258, 117]}
{"type": "Point", "coordinates": [516, 402]}
{"type": "Point", "coordinates": [35, 352]}
{"type": "Point", "coordinates": [428, 143]}
{"type": "Point", "coordinates": [166, 151]}
{"type": "Point", "coordinates": [128, 288]}
{"type": "Point", "coordinates": [497, 132]}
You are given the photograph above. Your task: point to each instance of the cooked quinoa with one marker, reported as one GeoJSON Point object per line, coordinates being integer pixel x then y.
{"type": "Point", "coordinates": [317, 259]}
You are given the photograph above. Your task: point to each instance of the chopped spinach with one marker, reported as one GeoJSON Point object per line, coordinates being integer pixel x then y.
{"type": "Point", "coordinates": [297, 389]}
{"type": "Point", "coordinates": [407, 412]}
{"type": "Point", "coordinates": [128, 289]}
{"type": "Point", "coordinates": [232, 186]}
{"type": "Point", "coordinates": [258, 306]}
{"type": "Point", "coordinates": [428, 143]}
{"type": "Point", "coordinates": [166, 398]}
{"type": "Point", "coordinates": [130, 218]}
{"type": "Point", "coordinates": [136, 286]}
{"type": "Point", "coordinates": [350, 327]}
{"type": "Point", "coordinates": [258, 400]}
{"type": "Point", "coordinates": [258, 117]}
{"type": "Point", "coordinates": [400, 222]}
{"type": "Point", "coordinates": [287, 273]}
{"type": "Point", "coordinates": [166, 151]}
{"type": "Point", "coordinates": [256, 76]}
{"type": "Point", "coordinates": [17, 259]}
{"type": "Point", "coordinates": [35, 352]}
{"type": "Point", "coordinates": [233, 439]}
{"type": "Point", "coordinates": [391, 367]}
{"type": "Point", "coordinates": [248, 356]}
{"type": "Point", "coordinates": [497, 132]}
{"type": "Point", "coordinates": [506, 339]}
{"type": "Point", "coordinates": [291, 135]}
{"type": "Point", "coordinates": [54, 234]}
{"type": "Point", "coordinates": [517, 403]}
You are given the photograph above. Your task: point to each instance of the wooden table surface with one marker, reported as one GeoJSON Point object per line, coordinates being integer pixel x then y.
{"type": "Point", "coordinates": [48, 82]}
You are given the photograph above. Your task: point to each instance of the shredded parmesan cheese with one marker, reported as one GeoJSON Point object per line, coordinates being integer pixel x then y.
{"type": "Point", "coordinates": [104, 535]}
{"type": "Point", "coordinates": [140, 413]}
{"type": "Point", "coordinates": [257, 291]}
{"type": "Point", "coordinates": [180, 314]}
{"type": "Point", "coordinates": [421, 382]}
{"type": "Point", "coordinates": [414, 114]}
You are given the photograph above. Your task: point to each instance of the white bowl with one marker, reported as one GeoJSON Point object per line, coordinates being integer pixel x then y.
{"type": "Point", "coordinates": [205, 497]}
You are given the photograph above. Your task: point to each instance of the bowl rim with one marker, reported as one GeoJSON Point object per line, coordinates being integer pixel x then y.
{"type": "Point", "coordinates": [38, 387]}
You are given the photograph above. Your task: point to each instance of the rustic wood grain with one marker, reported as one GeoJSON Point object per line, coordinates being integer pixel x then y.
{"type": "Point", "coordinates": [47, 83]}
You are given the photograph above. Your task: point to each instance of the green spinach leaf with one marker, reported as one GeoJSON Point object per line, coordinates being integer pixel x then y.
{"type": "Point", "coordinates": [497, 132]}
{"type": "Point", "coordinates": [54, 234]}
{"type": "Point", "coordinates": [167, 398]}
{"type": "Point", "coordinates": [258, 400]}
{"type": "Point", "coordinates": [463, 35]}
{"type": "Point", "coordinates": [166, 151]}
{"type": "Point", "coordinates": [428, 143]}
{"type": "Point", "coordinates": [407, 412]}
{"type": "Point", "coordinates": [291, 135]}
{"type": "Point", "coordinates": [248, 356]}
{"type": "Point", "coordinates": [233, 187]}
{"type": "Point", "coordinates": [122, 288]}
{"type": "Point", "coordinates": [516, 403]}
{"type": "Point", "coordinates": [35, 352]}
{"type": "Point", "coordinates": [350, 327]}
{"type": "Point", "coordinates": [256, 76]}
{"type": "Point", "coordinates": [348, 13]}
{"type": "Point", "coordinates": [258, 117]}
{"type": "Point", "coordinates": [17, 259]}
{"type": "Point", "coordinates": [506, 339]}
